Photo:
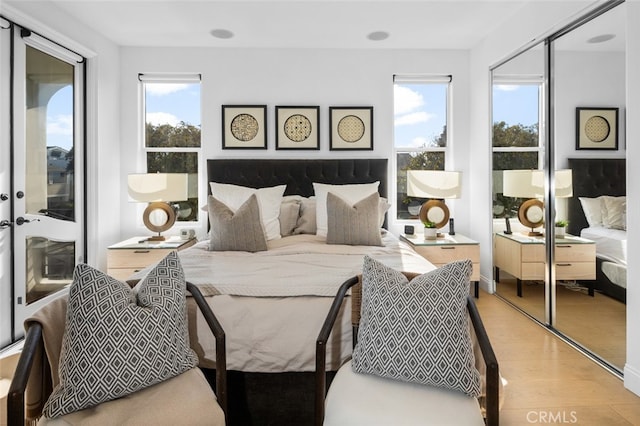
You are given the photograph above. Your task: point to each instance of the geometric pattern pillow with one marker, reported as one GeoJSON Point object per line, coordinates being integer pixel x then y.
{"type": "Point", "coordinates": [118, 341]}
{"type": "Point", "coordinates": [239, 231]}
{"type": "Point", "coordinates": [353, 225]}
{"type": "Point", "coordinates": [417, 331]}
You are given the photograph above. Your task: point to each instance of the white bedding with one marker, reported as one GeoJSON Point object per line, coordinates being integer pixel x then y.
{"type": "Point", "coordinates": [611, 244]}
{"type": "Point", "coordinates": [272, 304]}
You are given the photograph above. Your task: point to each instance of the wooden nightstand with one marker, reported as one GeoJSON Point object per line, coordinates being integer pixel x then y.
{"type": "Point", "coordinates": [524, 258]}
{"type": "Point", "coordinates": [448, 249]}
{"type": "Point", "coordinates": [130, 256]}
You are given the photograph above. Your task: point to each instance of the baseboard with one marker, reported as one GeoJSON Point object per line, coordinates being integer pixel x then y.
{"type": "Point", "coordinates": [632, 379]}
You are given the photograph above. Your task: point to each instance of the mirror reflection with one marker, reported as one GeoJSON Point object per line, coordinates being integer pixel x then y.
{"type": "Point", "coordinates": [518, 196]}
{"type": "Point", "coordinates": [589, 73]}
{"type": "Point", "coordinates": [589, 174]}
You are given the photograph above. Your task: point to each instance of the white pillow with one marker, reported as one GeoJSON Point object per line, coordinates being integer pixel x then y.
{"type": "Point", "coordinates": [592, 208]}
{"type": "Point", "coordinates": [614, 212]}
{"type": "Point", "coordinates": [350, 193]}
{"type": "Point", "coordinates": [269, 200]}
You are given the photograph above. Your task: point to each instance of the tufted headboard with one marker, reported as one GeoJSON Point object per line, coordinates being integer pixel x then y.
{"type": "Point", "coordinates": [298, 175]}
{"type": "Point", "coordinates": [591, 178]}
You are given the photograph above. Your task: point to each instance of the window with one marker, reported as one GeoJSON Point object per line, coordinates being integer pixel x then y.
{"type": "Point", "coordinates": [172, 132]}
{"type": "Point", "coordinates": [420, 132]}
{"type": "Point", "coordinates": [516, 138]}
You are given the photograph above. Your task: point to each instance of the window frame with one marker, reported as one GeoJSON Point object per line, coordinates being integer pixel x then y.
{"type": "Point", "coordinates": [539, 149]}
{"type": "Point", "coordinates": [160, 78]}
{"type": "Point", "coordinates": [446, 150]}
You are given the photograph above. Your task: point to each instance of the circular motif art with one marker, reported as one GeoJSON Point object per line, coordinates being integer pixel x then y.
{"type": "Point", "coordinates": [297, 128]}
{"type": "Point", "coordinates": [597, 128]}
{"type": "Point", "coordinates": [244, 127]}
{"type": "Point", "coordinates": [351, 128]}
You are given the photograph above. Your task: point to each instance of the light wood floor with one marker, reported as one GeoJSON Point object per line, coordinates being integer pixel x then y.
{"type": "Point", "coordinates": [546, 380]}
{"type": "Point", "coordinates": [598, 322]}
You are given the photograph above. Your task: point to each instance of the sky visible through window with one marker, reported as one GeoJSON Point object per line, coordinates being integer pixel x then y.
{"type": "Point", "coordinates": [169, 103]}
{"type": "Point", "coordinates": [419, 110]}
{"type": "Point", "coordinates": [516, 104]}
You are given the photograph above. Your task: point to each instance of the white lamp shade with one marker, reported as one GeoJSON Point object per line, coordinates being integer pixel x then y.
{"type": "Point", "coordinates": [564, 183]}
{"type": "Point", "coordinates": [150, 187]}
{"type": "Point", "coordinates": [530, 183]}
{"type": "Point", "coordinates": [433, 184]}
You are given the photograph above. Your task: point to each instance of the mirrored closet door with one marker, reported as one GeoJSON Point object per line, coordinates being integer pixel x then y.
{"type": "Point", "coordinates": [559, 180]}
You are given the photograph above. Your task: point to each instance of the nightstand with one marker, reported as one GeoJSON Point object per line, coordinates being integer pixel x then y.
{"type": "Point", "coordinates": [447, 249]}
{"type": "Point", "coordinates": [130, 256]}
{"type": "Point", "coordinates": [524, 257]}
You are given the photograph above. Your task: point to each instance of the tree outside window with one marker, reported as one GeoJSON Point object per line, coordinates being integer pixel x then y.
{"type": "Point", "coordinates": [516, 146]}
{"type": "Point", "coordinates": [172, 135]}
{"type": "Point", "coordinates": [420, 126]}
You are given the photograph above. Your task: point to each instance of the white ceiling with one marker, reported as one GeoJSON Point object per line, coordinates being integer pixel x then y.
{"type": "Point", "coordinates": [411, 24]}
{"type": "Point", "coordinates": [431, 24]}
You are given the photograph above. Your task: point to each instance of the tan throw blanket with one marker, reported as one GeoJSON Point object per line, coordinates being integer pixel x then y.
{"type": "Point", "coordinates": [52, 318]}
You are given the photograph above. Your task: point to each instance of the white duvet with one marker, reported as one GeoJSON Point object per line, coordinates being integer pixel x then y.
{"type": "Point", "coordinates": [611, 244]}
{"type": "Point", "coordinates": [299, 265]}
{"type": "Point", "coordinates": [272, 304]}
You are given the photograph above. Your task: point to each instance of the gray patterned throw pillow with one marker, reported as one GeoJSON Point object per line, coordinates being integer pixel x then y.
{"type": "Point", "coordinates": [417, 331]}
{"type": "Point", "coordinates": [119, 340]}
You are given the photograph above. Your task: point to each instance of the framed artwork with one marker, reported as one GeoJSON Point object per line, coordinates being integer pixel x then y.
{"type": "Point", "coordinates": [297, 127]}
{"type": "Point", "coordinates": [244, 127]}
{"type": "Point", "coordinates": [351, 128]}
{"type": "Point", "coordinates": [597, 128]}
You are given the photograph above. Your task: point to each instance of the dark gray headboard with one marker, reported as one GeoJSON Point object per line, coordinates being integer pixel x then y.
{"type": "Point", "coordinates": [592, 178]}
{"type": "Point", "coordinates": [298, 175]}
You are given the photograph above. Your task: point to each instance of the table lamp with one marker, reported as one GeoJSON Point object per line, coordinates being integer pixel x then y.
{"type": "Point", "coordinates": [530, 184]}
{"type": "Point", "coordinates": [158, 189]}
{"type": "Point", "coordinates": [436, 185]}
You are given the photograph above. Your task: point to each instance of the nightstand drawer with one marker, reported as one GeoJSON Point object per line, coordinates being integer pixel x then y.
{"type": "Point", "coordinates": [575, 271]}
{"type": "Point", "coordinates": [135, 258]}
{"type": "Point", "coordinates": [575, 252]}
{"type": "Point", "coordinates": [448, 253]}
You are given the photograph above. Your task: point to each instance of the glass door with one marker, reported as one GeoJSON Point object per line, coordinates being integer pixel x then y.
{"type": "Point", "coordinates": [47, 171]}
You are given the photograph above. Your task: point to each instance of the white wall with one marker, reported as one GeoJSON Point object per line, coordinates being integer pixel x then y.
{"type": "Point", "coordinates": [324, 77]}
{"type": "Point", "coordinates": [587, 79]}
{"type": "Point", "coordinates": [632, 367]}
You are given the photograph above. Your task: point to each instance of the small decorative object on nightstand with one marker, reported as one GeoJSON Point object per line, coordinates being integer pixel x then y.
{"type": "Point", "coordinates": [430, 231]}
{"type": "Point", "coordinates": [441, 251]}
{"type": "Point", "coordinates": [130, 256]}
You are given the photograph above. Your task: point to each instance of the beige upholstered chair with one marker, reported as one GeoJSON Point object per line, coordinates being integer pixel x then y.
{"type": "Point", "coordinates": [355, 398]}
{"type": "Point", "coordinates": [184, 399]}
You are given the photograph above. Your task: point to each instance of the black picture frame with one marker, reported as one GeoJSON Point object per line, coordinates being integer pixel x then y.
{"type": "Point", "coordinates": [297, 127]}
{"type": "Point", "coordinates": [244, 127]}
{"type": "Point", "coordinates": [351, 128]}
{"type": "Point", "coordinates": [596, 128]}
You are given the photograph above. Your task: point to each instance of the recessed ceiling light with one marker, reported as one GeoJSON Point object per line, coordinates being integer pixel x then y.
{"type": "Point", "coordinates": [221, 33]}
{"type": "Point", "coordinates": [378, 35]}
{"type": "Point", "coordinates": [601, 38]}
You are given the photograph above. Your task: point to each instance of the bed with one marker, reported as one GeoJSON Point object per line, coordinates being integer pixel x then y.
{"type": "Point", "coordinates": [598, 184]}
{"type": "Point", "coordinates": [272, 303]}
